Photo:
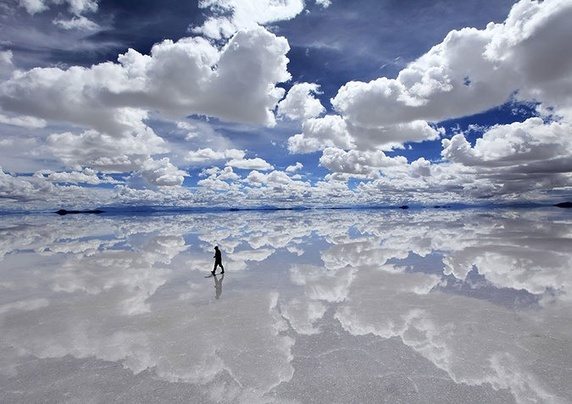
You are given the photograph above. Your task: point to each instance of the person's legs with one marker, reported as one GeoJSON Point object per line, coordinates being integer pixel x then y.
{"type": "Point", "coordinates": [218, 264]}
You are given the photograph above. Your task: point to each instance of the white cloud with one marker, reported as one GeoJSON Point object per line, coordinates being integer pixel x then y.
{"type": "Point", "coordinates": [218, 179]}
{"type": "Point", "coordinates": [216, 173]}
{"type": "Point", "coordinates": [473, 70]}
{"type": "Point", "coordinates": [130, 151]}
{"type": "Point", "coordinates": [22, 189]}
{"type": "Point", "coordinates": [470, 71]}
{"type": "Point", "coordinates": [293, 168]}
{"type": "Point", "coordinates": [190, 76]}
{"type": "Point", "coordinates": [6, 63]}
{"type": "Point", "coordinates": [214, 184]}
{"type": "Point", "coordinates": [209, 156]}
{"type": "Point", "coordinates": [22, 121]}
{"type": "Point", "coordinates": [256, 178]}
{"type": "Point", "coordinates": [37, 192]}
{"type": "Point", "coordinates": [335, 131]}
{"type": "Point", "coordinates": [227, 174]}
{"type": "Point", "coordinates": [161, 172]}
{"type": "Point", "coordinates": [33, 6]}
{"type": "Point", "coordinates": [516, 144]}
{"type": "Point", "coordinates": [104, 152]}
{"type": "Point", "coordinates": [250, 164]}
{"type": "Point", "coordinates": [275, 187]}
{"type": "Point", "coordinates": [231, 16]}
{"type": "Point", "coordinates": [86, 176]}
{"type": "Point", "coordinates": [518, 158]}
{"type": "Point", "coordinates": [109, 117]}
{"type": "Point", "coordinates": [235, 15]}
{"type": "Point", "coordinates": [301, 103]}
{"type": "Point", "coordinates": [80, 23]}
{"type": "Point", "coordinates": [393, 136]}
{"type": "Point", "coordinates": [324, 3]}
{"type": "Point", "coordinates": [358, 163]}
{"type": "Point", "coordinates": [112, 100]}
{"type": "Point", "coordinates": [421, 168]}
{"type": "Point", "coordinates": [76, 7]}
{"type": "Point", "coordinates": [319, 133]}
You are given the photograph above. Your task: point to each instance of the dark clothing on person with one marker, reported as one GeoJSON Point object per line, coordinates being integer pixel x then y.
{"type": "Point", "coordinates": [218, 261]}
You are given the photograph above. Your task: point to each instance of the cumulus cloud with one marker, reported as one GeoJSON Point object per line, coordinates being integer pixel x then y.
{"type": "Point", "coordinates": [517, 158]}
{"type": "Point", "coordinates": [109, 117]}
{"type": "Point", "coordinates": [190, 76]}
{"type": "Point", "coordinates": [76, 7]}
{"type": "Point", "coordinates": [277, 187]}
{"type": "Point", "coordinates": [366, 164]}
{"type": "Point", "coordinates": [472, 70]}
{"type": "Point", "coordinates": [19, 189]}
{"type": "Point", "coordinates": [301, 103]}
{"type": "Point", "coordinates": [39, 192]}
{"type": "Point", "coordinates": [421, 168]}
{"type": "Point", "coordinates": [250, 164]}
{"type": "Point", "coordinates": [105, 152]}
{"type": "Point", "coordinates": [230, 16]}
{"type": "Point", "coordinates": [319, 133]}
{"type": "Point", "coordinates": [335, 131]}
{"type": "Point", "coordinates": [234, 15]}
{"type": "Point", "coordinates": [219, 179]}
{"type": "Point", "coordinates": [161, 172]}
{"type": "Point", "coordinates": [112, 100]}
{"type": "Point", "coordinates": [209, 156]}
{"type": "Point", "coordinates": [516, 144]}
{"type": "Point", "coordinates": [293, 168]}
{"type": "Point", "coordinates": [86, 176]}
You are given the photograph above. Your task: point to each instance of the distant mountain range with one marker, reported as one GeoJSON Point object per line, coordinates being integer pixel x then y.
{"type": "Point", "coordinates": [151, 210]}
{"type": "Point", "coordinates": [146, 210]}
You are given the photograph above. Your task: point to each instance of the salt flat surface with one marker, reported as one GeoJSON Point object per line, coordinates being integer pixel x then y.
{"type": "Point", "coordinates": [315, 307]}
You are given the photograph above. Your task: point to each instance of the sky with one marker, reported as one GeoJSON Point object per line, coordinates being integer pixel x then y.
{"type": "Point", "coordinates": [284, 102]}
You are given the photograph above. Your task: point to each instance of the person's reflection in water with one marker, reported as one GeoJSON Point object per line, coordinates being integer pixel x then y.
{"type": "Point", "coordinates": [218, 286]}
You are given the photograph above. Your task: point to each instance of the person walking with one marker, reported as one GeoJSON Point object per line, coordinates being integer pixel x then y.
{"type": "Point", "coordinates": [218, 260]}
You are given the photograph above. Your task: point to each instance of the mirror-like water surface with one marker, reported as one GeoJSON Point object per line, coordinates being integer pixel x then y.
{"type": "Point", "coordinates": [325, 306]}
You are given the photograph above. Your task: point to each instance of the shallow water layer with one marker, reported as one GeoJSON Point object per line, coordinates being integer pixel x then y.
{"type": "Point", "coordinates": [316, 306]}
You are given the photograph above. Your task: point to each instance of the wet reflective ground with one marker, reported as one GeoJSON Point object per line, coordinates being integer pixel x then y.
{"type": "Point", "coordinates": [327, 306]}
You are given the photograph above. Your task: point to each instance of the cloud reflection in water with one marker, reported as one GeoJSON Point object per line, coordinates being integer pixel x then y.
{"type": "Point", "coordinates": [317, 306]}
